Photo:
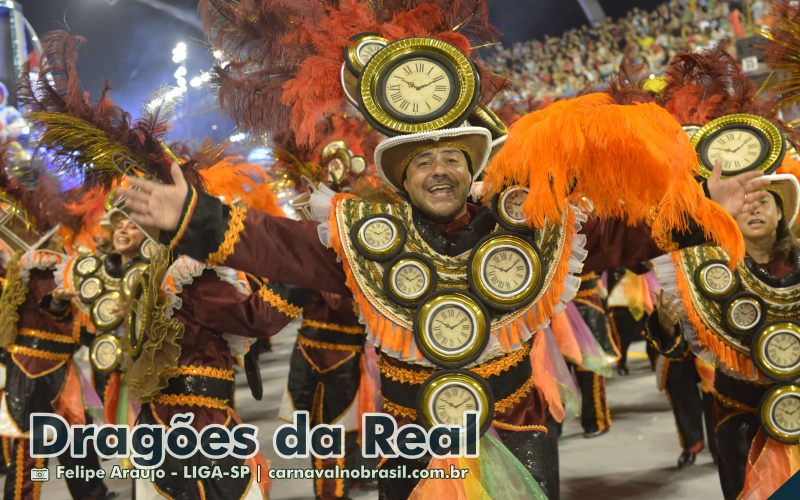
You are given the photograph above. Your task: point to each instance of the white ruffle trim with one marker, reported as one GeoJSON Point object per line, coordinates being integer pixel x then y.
{"type": "Point", "coordinates": [39, 259]}
{"type": "Point", "coordinates": [321, 204]}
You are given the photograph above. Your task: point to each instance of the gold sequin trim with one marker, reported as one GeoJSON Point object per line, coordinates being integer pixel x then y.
{"type": "Point", "coordinates": [232, 235]}
{"type": "Point", "coordinates": [191, 400]}
{"type": "Point", "coordinates": [732, 403]}
{"type": "Point", "coordinates": [278, 303]}
{"type": "Point", "coordinates": [490, 369]}
{"type": "Point", "coordinates": [53, 337]}
{"type": "Point", "coordinates": [187, 216]}
{"type": "Point", "coordinates": [327, 345]}
{"type": "Point", "coordinates": [201, 371]}
{"type": "Point", "coordinates": [351, 330]}
{"type": "Point", "coordinates": [36, 353]}
{"type": "Point", "coordinates": [510, 401]}
{"type": "Point", "coordinates": [400, 411]}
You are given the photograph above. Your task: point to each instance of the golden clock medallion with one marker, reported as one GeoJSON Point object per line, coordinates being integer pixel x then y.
{"type": "Point", "coordinates": [780, 413]}
{"type": "Point", "coordinates": [451, 328]}
{"type": "Point", "coordinates": [105, 353]}
{"type": "Point", "coordinates": [131, 276]}
{"type": "Point", "coordinates": [447, 395]}
{"type": "Point", "coordinates": [379, 237]}
{"type": "Point", "coordinates": [741, 143]}
{"type": "Point", "coordinates": [105, 311]}
{"type": "Point", "coordinates": [483, 116]}
{"type": "Point", "coordinates": [776, 350]}
{"type": "Point", "coordinates": [90, 289]}
{"type": "Point", "coordinates": [87, 265]}
{"type": "Point", "coordinates": [505, 271]}
{"type": "Point", "coordinates": [508, 207]}
{"type": "Point", "coordinates": [417, 85]}
{"type": "Point", "coordinates": [743, 313]}
{"type": "Point", "coordinates": [360, 50]}
{"type": "Point", "coordinates": [409, 278]}
{"type": "Point", "coordinates": [716, 281]}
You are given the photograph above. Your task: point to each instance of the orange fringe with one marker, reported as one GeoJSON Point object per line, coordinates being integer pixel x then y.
{"type": "Point", "coordinates": [395, 338]}
{"type": "Point", "coordinates": [244, 181]}
{"type": "Point", "coordinates": [633, 162]}
{"type": "Point", "coordinates": [728, 356]}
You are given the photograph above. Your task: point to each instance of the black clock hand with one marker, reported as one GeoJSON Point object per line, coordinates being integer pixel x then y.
{"type": "Point", "coordinates": [740, 146]}
{"type": "Point", "coordinates": [461, 403]}
{"type": "Point", "coordinates": [430, 82]}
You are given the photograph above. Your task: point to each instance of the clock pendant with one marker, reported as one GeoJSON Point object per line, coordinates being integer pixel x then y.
{"type": "Point", "coordinates": [379, 237]}
{"type": "Point", "coordinates": [505, 271]}
{"type": "Point", "coordinates": [105, 353]}
{"type": "Point", "coordinates": [90, 289]}
{"type": "Point", "coordinates": [508, 207]}
{"type": "Point", "coordinates": [135, 327]}
{"type": "Point", "coordinates": [780, 413]}
{"type": "Point", "coordinates": [360, 50]}
{"type": "Point", "coordinates": [740, 143]}
{"type": "Point", "coordinates": [715, 280]}
{"type": "Point", "coordinates": [451, 328]}
{"type": "Point", "coordinates": [447, 395]}
{"type": "Point", "coordinates": [409, 278]}
{"type": "Point", "coordinates": [743, 313]}
{"type": "Point", "coordinates": [87, 266]}
{"type": "Point", "coordinates": [483, 116]}
{"type": "Point", "coordinates": [417, 85]}
{"type": "Point", "coordinates": [131, 276]}
{"type": "Point", "coordinates": [103, 311]}
{"type": "Point", "coordinates": [776, 350]}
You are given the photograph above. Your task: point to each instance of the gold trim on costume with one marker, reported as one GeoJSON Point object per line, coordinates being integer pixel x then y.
{"type": "Point", "coordinates": [39, 334]}
{"type": "Point", "coordinates": [327, 345]}
{"type": "Point", "coordinates": [232, 235]}
{"type": "Point", "coordinates": [36, 353]}
{"type": "Point", "coordinates": [191, 400]}
{"type": "Point", "coordinates": [273, 299]}
{"type": "Point", "coordinates": [186, 218]}
{"type": "Point", "coordinates": [515, 397]}
{"type": "Point", "coordinates": [200, 371]}
{"type": "Point", "coordinates": [351, 330]}
{"type": "Point", "coordinates": [396, 409]}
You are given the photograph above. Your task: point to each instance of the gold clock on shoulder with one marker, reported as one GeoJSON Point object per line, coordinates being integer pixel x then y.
{"type": "Point", "coordinates": [451, 328]}
{"type": "Point", "coordinates": [105, 353]}
{"type": "Point", "coordinates": [743, 313]}
{"type": "Point", "coordinates": [360, 50]}
{"type": "Point", "coordinates": [86, 266]}
{"type": "Point", "coordinates": [417, 85]}
{"type": "Point", "coordinates": [715, 280]}
{"type": "Point", "coordinates": [483, 116]}
{"type": "Point", "coordinates": [780, 413]}
{"type": "Point", "coordinates": [446, 396]}
{"type": "Point", "coordinates": [741, 143]}
{"type": "Point", "coordinates": [379, 237]}
{"type": "Point", "coordinates": [505, 271]}
{"type": "Point", "coordinates": [776, 350]}
{"type": "Point", "coordinates": [508, 207]}
{"type": "Point", "coordinates": [409, 278]}
{"type": "Point", "coordinates": [90, 288]}
{"type": "Point", "coordinates": [106, 311]}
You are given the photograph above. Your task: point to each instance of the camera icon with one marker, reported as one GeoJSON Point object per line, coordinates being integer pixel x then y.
{"type": "Point", "coordinates": [40, 475]}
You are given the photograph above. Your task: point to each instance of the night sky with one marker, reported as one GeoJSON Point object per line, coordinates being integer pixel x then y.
{"type": "Point", "coordinates": [131, 44]}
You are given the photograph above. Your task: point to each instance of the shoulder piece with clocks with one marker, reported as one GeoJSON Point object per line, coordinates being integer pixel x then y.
{"type": "Point", "coordinates": [422, 306]}
{"type": "Point", "coordinates": [744, 319]}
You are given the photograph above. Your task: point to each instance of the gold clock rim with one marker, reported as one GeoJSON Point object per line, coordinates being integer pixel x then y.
{"type": "Point", "coordinates": [92, 258]}
{"type": "Point", "coordinates": [465, 73]}
{"type": "Point", "coordinates": [352, 50]}
{"type": "Point", "coordinates": [704, 281]}
{"type": "Point", "coordinates": [769, 402]}
{"type": "Point", "coordinates": [389, 249]}
{"type": "Point", "coordinates": [465, 301]}
{"type": "Point", "coordinates": [425, 270]}
{"type": "Point", "coordinates": [106, 337]}
{"type": "Point", "coordinates": [732, 307]}
{"type": "Point", "coordinates": [490, 119]}
{"type": "Point", "coordinates": [501, 208]}
{"type": "Point", "coordinates": [761, 357]}
{"type": "Point", "coordinates": [100, 288]}
{"type": "Point", "coordinates": [767, 128]}
{"type": "Point", "coordinates": [524, 246]}
{"type": "Point", "coordinates": [98, 322]}
{"type": "Point", "coordinates": [435, 386]}
{"type": "Point", "coordinates": [126, 289]}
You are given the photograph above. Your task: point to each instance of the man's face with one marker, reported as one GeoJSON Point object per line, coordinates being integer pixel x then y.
{"type": "Point", "coordinates": [761, 222]}
{"type": "Point", "coordinates": [438, 182]}
{"type": "Point", "coordinates": [127, 238]}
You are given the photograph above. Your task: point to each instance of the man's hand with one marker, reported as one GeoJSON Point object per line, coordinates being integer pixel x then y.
{"type": "Point", "coordinates": [668, 317]}
{"type": "Point", "coordinates": [156, 205]}
{"type": "Point", "coordinates": [739, 194]}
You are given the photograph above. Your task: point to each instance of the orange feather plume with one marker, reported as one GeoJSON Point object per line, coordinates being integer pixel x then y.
{"type": "Point", "coordinates": [633, 162]}
{"type": "Point", "coordinates": [245, 182]}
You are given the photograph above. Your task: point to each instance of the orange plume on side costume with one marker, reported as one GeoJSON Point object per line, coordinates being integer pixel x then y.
{"type": "Point", "coordinates": [634, 162]}
{"type": "Point", "coordinates": [243, 181]}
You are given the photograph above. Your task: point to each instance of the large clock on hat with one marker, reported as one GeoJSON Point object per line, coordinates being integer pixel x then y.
{"type": "Point", "coordinates": [417, 85]}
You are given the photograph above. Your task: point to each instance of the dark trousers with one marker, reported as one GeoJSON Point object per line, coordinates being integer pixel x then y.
{"type": "Point", "coordinates": [626, 329]}
{"type": "Point", "coordinates": [690, 406]}
{"type": "Point", "coordinates": [595, 415]}
{"type": "Point", "coordinates": [734, 438]}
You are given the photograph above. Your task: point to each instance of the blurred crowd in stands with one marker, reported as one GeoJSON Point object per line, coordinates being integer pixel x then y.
{"type": "Point", "coordinates": [586, 56]}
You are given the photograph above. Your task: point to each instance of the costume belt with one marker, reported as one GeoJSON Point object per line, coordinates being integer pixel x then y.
{"type": "Point", "coordinates": [46, 345]}
{"type": "Point", "coordinates": [333, 333]}
{"type": "Point", "coordinates": [213, 389]}
{"type": "Point", "coordinates": [739, 393]}
{"type": "Point", "coordinates": [509, 377]}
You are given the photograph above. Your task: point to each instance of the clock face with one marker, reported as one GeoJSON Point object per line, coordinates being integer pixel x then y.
{"type": "Point", "coordinates": [780, 413]}
{"type": "Point", "coordinates": [716, 279]}
{"type": "Point", "coordinates": [87, 266]}
{"type": "Point", "coordinates": [379, 238]}
{"type": "Point", "coordinates": [776, 350]}
{"type": "Point", "coordinates": [105, 311]}
{"type": "Point", "coordinates": [105, 353]}
{"type": "Point", "coordinates": [378, 235]}
{"type": "Point", "coordinates": [505, 271]}
{"type": "Point", "coordinates": [745, 314]}
{"type": "Point", "coordinates": [90, 289]}
{"type": "Point", "coordinates": [131, 277]}
{"type": "Point", "coordinates": [409, 278]}
{"type": "Point", "coordinates": [451, 328]}
{"type": "Point", "coordinates": [419, 87]}
{"type": "Point", "coordinates": [451, 402]}
{"type": "Point", "coordinates": [737, 149]}
{"type": "Point", "coordinates": [368, 48]}
{"type": "Point", "coordinates": [510, 205]}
